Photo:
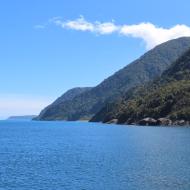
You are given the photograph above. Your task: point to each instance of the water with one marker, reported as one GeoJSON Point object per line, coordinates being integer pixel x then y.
{"type": "Point", "coordinates": [89, 156]}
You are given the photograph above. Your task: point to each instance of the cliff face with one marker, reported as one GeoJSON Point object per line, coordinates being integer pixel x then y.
{"type": "Point", "coordinates": [167, 97]}
{"type": "Point", "coordinates": [144, 69]}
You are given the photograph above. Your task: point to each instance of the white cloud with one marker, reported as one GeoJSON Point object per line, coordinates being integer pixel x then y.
{"type": "Point", "coordinates": [11, 105]}
{"type": "Point", "coordinates": [152, 35]}
{"type": "Point", "coordinates": [83, 25]}
{"type": "Point", "coordinates": [40, 26]}
{"type": "Point", "coordinates": [105, 28]}
{"type": "Point", "coordinates": [79, 24]}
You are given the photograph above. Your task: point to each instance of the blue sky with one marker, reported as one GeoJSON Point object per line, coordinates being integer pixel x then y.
{"type": "Point", "coordinates": [44, 51]}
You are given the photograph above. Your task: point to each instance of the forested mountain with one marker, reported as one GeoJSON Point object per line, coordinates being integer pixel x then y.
{"type": "Point", "coordinates": [167, 97]}
{"type": "Point", "coordinates": [67, 96]}
{"type": "Point", "coordinates": [144, 69]}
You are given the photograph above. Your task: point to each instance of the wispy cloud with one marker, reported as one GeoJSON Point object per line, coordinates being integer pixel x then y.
{"type": "Point", "coordinates": [81, 24]}
{"type": "Point", "coordinates": [152, 35]}
{"type": "Point", "coordinates": [40, 26]}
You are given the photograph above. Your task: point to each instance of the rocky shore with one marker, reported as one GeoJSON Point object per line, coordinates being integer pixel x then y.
{"type": "Point", "coordinates": [153, 122]}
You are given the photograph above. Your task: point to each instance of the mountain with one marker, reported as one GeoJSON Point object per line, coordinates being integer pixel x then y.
{"type": "Point", "coordinates": [70, 94]}
{"type": "Point", "coordinates": [67, 96]}
{"type": "Point", "coordinates": [167, 99]}
{"type": "Point", "coordinates": [25, 117]}
{"type": "Point", "coordinates": [144, 69]}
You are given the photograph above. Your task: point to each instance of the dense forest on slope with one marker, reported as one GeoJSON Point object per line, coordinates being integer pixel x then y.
{"type": "Point", "coordinates": [167, 97]}
{"type": "Point", "coordinates": [70, 94]}
{"type": "Point", "coordinates": [144, 69]}
{"type": "Point", "coordinates": [67, 96]}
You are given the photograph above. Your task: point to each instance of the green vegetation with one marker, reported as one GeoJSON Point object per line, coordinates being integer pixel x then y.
{"type": "Point", "coordinates": [49, 112]}
{"type": "Point", "coordinates": [166, 97]}
{"type": "Point", "coordinates": [85, 105]}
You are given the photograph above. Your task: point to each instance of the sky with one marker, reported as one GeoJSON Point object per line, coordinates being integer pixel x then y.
{"type": "Point", "coordinates": [50, 46]}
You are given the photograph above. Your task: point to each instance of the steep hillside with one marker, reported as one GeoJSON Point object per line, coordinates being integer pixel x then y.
{"type": "Point", "coordinates": [167, 97]}
{"type": "Point", "coordinates": [67, 96]}
{"type": "Point", "coordinates": [144, 69]}
{"type": "Point", "coordinates": [70, 94]}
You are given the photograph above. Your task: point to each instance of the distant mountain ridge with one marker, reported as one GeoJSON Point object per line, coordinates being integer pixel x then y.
{"type": "Point", "coordinates": [24, 117]}
{"type": "Point", "coordinates": [167, 99]}
{"type": "Point", "coordinates": [146, 68]}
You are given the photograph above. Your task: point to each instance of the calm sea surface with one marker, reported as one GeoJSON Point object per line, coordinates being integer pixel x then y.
{"type": "Point", "coordinates": [90, 156]}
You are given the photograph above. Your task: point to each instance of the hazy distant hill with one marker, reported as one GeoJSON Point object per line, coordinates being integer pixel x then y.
{"type": "Point", "coordinates": [144, 69]}
{"type": "Point", "coordinates": [25, 117]}
{"type": "Point", "coordinates": [167, 97]}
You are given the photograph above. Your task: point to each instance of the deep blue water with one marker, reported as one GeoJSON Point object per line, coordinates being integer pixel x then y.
{"type": "Point", "coordinates": [90, 156]}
